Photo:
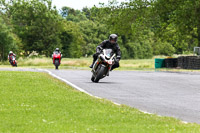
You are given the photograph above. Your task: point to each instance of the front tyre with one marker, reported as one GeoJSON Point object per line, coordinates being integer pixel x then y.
{"type": "Point", "coordinates": [100, 74]}
{"type": "Point", "coordinates": [92, 78]}
{"type": "Point", "coordinates": [56, 64]}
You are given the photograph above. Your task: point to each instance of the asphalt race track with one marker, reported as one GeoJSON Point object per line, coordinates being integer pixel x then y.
{"type": "Point", "coordinates": [163, 93]}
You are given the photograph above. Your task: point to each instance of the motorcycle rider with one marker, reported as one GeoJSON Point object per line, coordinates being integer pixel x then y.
{"type": "Point", "coordinates": [9, 56]}
{"type": "Point", "coordinates": [57, 51]}
{"type": "Point", "coordinates": [111, 43]}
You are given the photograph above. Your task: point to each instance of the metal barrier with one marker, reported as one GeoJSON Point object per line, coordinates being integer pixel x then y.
{"type": "Point", "coordinates": [196, 51]}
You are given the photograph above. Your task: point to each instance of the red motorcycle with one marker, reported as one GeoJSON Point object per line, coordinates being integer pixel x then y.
{"type": "Point", "coordinates": [12, 60]}
{"type": "Point", "coordinates": [56, 59]}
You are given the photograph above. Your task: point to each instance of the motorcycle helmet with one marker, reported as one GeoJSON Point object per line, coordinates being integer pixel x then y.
{"type": "Point", "coordinates": [10, 52]}
{"type": "Point", "coordinates": [57, 49]}
{"type": "Point", "coordinates": [113, 38]}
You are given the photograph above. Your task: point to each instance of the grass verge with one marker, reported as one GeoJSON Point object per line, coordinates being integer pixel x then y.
{"type": "Point", "coordinates": [81, 63]}
{"type": "Point", "coordinates": [36, 102]}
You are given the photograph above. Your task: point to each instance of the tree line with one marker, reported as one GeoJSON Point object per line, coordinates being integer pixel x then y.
{"type": "Point", "coordinates": [145, 27]}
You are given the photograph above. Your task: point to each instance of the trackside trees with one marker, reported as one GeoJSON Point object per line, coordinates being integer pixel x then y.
{"type": "Point", "coordinates": [8, 40]}
{"type": "Point", "coordinates": [182, 17]}
{"type": "Point", "coordinates": [36, 23]}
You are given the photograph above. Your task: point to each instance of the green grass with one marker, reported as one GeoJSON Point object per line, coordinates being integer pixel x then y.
{"type": "Point", "coordinates": [137, 64]}
{"type": "Point", "coordinates": [36, 102]}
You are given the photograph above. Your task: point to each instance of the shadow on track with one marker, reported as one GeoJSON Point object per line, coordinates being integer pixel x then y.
{"type": "Point", "coordinates": [104, 82]}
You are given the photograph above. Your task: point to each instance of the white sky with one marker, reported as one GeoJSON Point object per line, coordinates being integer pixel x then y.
{"type": "Point", "coordinates": [79, 4]}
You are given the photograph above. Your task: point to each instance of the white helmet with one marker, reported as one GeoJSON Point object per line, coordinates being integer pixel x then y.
{"type": "Point", "coordinates": [57, 49]}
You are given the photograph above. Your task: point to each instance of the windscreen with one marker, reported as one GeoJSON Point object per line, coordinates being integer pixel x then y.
{"type": "Point", "coordinates": [108, 52]}
{"type": "Point", "coordinates": [12, 57]}
{"type": "Point", "coordinates": [56, 52]}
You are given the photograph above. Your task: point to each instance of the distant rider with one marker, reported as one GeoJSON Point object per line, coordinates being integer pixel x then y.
{"type": "Point", "coordinates": [112, 44]}
{"type": "Point", "coordinates": [57, 51]}
{"type": "Point", "coordinates": [10, 55]}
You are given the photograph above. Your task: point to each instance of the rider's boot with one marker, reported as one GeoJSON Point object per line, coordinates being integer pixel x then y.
{"type": "Point", "coordinates": [107, 74]}
{"type": "Point", "coordinates": [91, 66]}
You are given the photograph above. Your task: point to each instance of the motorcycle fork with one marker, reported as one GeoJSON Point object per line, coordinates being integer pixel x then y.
{"type": "Point", "coordinates": [96, 64]}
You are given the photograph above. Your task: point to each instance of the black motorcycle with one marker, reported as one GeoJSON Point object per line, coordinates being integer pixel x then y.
{"type": "Point", "coordinates": [103, 64]}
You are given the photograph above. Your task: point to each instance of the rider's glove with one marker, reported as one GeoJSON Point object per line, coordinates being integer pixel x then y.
{"type": "Point", "coordinates": [98, 52]}
{"type": "Point", "coordinates": [99, 49]}
{"type": "Point", "coordinates": [118, 58]}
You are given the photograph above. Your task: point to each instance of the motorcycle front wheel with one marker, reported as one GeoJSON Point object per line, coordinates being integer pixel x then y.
{"type": "Point", "coordinates": [100, 73]}
{"type": "Point", "coordinates": [92, 78]}
{"type": "Point", "coordinates": [56, 64]}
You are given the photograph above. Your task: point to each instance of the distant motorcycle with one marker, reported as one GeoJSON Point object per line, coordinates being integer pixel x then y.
{"type": "Point", "coordinates": [103, 65]}
{"type": "Point", "coordinates": [56, 59]}
{"type": "Point", "coordinates": [13, 61]}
